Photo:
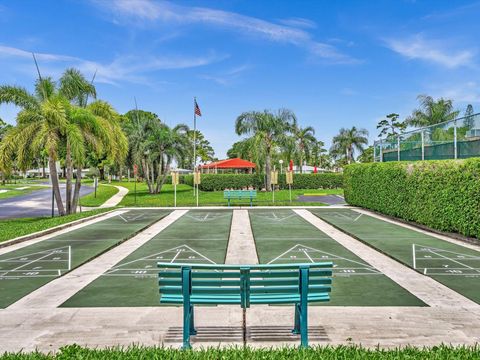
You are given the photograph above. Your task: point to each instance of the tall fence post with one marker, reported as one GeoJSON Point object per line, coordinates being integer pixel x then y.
{"type": "Point", "coordinates": [381, 151]}
{"type": "Point", "coordinates": [374, 152]}
{"type": "Point", "coordinates": [455, 139]}
{"type": "Point", "coordinates": [423, 145]}
{"type": "Point", "coordinates": [398, 148]}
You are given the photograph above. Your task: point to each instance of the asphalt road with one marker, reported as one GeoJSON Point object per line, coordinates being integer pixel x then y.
{"type": "Point", "coordinates": [36, 203]}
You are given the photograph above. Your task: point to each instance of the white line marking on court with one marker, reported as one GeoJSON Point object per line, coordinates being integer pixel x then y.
{"type": "Point", "coordinates": [414, 257]}
{"type": "Point", "coordinates": [121, 217]}
{"type": "Point", "coordinates": [455, 261]}
{"type": "Point", "coordinates": [176, 255]}
{"type": "Point", "coordinates": [359, 216]}
{"type": "Point", "coordinates": [308, 256]}
{"type": "Point", "coordinates": [70, 257]}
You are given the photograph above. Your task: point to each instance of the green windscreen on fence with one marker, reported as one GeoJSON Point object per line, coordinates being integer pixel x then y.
{"type": "Point", "coordinates": [456, 139]}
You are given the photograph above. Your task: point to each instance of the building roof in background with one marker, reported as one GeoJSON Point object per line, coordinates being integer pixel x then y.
{"type": "Point", "coordinates": [235, 163]}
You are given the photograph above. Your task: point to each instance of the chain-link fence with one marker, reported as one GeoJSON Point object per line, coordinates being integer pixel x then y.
{"type": "Point", "coordinates": [456, 139]}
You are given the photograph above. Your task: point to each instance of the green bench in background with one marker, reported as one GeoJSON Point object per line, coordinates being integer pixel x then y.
{"type": "Point", "coordinates": [240, 195]}
{"type": "Point", "coordinates": [245, 285]}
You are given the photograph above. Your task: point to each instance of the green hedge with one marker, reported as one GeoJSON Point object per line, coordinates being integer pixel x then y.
{"type": "Point", "coordinates": [213, 182]}
{"type": "Point", "coordinates": [443, 195]}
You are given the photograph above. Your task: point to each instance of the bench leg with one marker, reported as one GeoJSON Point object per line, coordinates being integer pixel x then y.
{"type": "Point", "coordinates": [296, 327]}
{"type": "Point", "coordinates": [303, 308]}
{"type": "Point", "coordinates": [186, 326]}
{"type": "Point", "coordinates": [228, 202]}
{"type": "Point", "coordinates": [192, 322]}
{"type": "Point", "coordinates": [251, 202]}
{"type": "Point", "coordinates": [303, 326]}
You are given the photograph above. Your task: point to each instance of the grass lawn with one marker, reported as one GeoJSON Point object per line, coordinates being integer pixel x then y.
{"type": "Point", "coordinates": [325, 353]}
{"type": "Point", "coordinates": [12, 190]}
{"type": "Point", "coordinates": [12, 228]}
{"type": "Point", "coordinates": [104, 192]}
{"type": "Point", "coordinates": [210, 198]}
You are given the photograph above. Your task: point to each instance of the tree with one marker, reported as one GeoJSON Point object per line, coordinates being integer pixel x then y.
{"type": "Point", "coordinates": [4, 128]}
{"type": "Point", "coordinates": [204, 151]}
{"type": "Point", "coordinates": [41, 124]}
{"type": "Point", "coordinates": [268, 130]}
{"type": "Point", "coordinates": [391, 126]}
{"type": "Point", "coordinates": [347, 141]}
{"type": "Point", "coordinates": [366, 156]}
{"type": "Point", "coordinates": [317, 153]}
{"type": "Point", "coordinates": [154, 146]}
{"type": "Point", "coordinates": [469, 121]}
{"type": "Point", "coordinates": [54, 119]}
{"type": "Point", "coordinates": [304, 140]}
{"type": "Point", "coordinates": [432, 112]}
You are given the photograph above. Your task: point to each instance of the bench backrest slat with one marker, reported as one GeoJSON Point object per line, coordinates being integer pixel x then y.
{"type": "Point", "coordinates": [238, 283]}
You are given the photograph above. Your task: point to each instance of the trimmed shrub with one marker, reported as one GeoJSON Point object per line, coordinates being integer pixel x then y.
{"type": "Point", "coordinates": [443, 195]}
{"type": "Point", "coordinates": [213, 182]}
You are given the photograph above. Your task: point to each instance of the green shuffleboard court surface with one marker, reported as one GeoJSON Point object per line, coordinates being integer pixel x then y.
{"type": "Point", "coordinates": [281, 236]}
{"type": "Point", "coordinates": [24, 270]}
{"type": "Point", "coordinates": [453, 265]}
{"type": "Point", "coordinates": [200, 236]}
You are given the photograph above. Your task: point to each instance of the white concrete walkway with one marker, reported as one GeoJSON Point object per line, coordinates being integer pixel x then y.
{"type": "Point", "coordinates": [61, 289]}
{"type": "Point", "coordinates": [241, 244]}
{"type": "Point", "coordinates": [425, 288]}
{"type": "Point", "coordinates": [115, 199]}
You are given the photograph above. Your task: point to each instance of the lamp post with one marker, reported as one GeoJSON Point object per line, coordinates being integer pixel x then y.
{"type": "Point", "coordinates": [281, 165]}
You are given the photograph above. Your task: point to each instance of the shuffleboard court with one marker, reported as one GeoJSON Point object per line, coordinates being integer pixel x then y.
{"type": "Point", "coordinates": [453, 265]}
{"type": "Point", "coordinates": [26, 269]}
{"type": "Point", "coordinates": [281, 236]}
{"type": "Point", "coordinates": [200, 236]}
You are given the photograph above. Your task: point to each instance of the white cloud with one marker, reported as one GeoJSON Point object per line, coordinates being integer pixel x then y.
{"type": "Point", "coordinates": [227, 77]}
{"type": "Point", "coordinates": [124, 68]}
{"type": "Point", "coordinates": [417, 47]}
{"type": "Point", "coordinates": [299, 22]}
{"type": "Point", "coordinates": [166, 12]}
{"type": "Point", "coordinates": [467, 92]}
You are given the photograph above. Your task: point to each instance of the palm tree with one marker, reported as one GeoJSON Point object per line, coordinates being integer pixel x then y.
{"type": "Point", "coordinates": [155, 145]}
{"type": "Point", "coordinates": [432, 112]}
{"type": "Point", "coordinates": [347, 141]}
{"type": "Point", "coordinates": [304, 139]}
{"type": "Point", "coordinates": [55, 119]}
{"type": "Point", "coordinates": [317, 152]}
{"type": "Point", "coordinates": [269, 131]}
{"type": "Point", "coordinates": [167, 144]}
{"type": "Point", "coordinates": [41, 124]}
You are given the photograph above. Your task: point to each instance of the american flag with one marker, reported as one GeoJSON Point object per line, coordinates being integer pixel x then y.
{"type": "Point", "coordinates": [197, 109]}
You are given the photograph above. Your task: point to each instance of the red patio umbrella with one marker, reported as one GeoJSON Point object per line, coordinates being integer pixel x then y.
{"type": "Point", "coordinates": [291, 165]}
{"type": "Point", "coordinates": [315, 169]}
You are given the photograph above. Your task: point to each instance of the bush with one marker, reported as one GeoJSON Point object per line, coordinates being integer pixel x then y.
{"type": "Point", "coordinates": [213, 182]}
{"type": "Point", "coordinates": [443, 195]}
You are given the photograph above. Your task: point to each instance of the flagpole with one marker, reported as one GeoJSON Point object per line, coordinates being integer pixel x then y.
{"type": "Point", "coordinates": [194, 138]}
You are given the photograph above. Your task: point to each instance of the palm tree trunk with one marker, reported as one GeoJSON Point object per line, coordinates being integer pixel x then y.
{"type": "Point", "coordinates": [268, 166]}
{"type": "Point", "coordinates": [76, 192]}
{"type": "Point", "coordinates": [146, 172]}
{"type": "Point", "coordinates": [56, 186]}
{"type": "Point", "coordinates": [69, 175]}
{"type": "Point", "coordinates": [163, 178]}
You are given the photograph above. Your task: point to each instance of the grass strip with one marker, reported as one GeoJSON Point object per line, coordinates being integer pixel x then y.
{"type": "Point", "coordinates": [12, 228]}
{"type": "Point", "coordinates": [321, 352]}
{"type": "Point", "coordinates": [210, 198]}
{"type": "Point", "coordinates": [104, 192]}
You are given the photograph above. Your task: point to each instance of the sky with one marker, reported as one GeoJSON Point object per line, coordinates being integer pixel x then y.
{"type": "Point", "coordinates": [334, 63]}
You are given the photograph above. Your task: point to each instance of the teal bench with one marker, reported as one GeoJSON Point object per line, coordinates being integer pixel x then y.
{"type": "Point", "coordinates": [245, 285]}
{"type": "Point", "coordinates": [240, 195]}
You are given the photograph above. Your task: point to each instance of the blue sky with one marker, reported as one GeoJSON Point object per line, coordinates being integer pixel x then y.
{"type": "Point", "coordinates": [334, 63]}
